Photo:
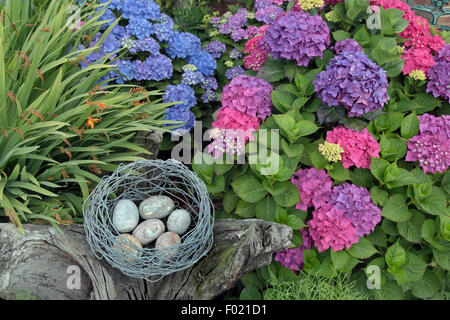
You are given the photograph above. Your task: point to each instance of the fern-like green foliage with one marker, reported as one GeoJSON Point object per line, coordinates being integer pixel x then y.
{"type": "Point", "coordinates": [311, 287]}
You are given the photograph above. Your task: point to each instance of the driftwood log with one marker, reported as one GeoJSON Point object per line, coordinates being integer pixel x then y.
{"type": "Point", "coordinates": [43, 263]}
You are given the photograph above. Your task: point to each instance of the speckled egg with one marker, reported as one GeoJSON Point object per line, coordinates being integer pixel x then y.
{"type": "Point", "coordinates": [126, 242]}
{"type": "Point", "coordinates": [168, 239]}
{"type": "Point", "coordinates": [156, 207]}
{"type": "Point", "coordinates": [179, 221]}
{"type": "Point", "coordinates": [148, 231]}
{"type": "Point", "coordinates": [125, 216]}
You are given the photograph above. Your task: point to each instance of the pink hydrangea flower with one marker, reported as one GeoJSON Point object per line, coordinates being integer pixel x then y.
{"type": "Point", "coordinates": [249, 95]}
{"type": "Point", "coordinates": [329, 227]}
{"type": "Point", "coordinates": [314, 186]}
{"type": "Point", "coordinates": [293, 258]}
{"type": "Point", "coordinates": [359, 146]}
{"type": "Point", "coordinates": [417, 59]}
{"type": "Point", "coordinates": [229, 118]}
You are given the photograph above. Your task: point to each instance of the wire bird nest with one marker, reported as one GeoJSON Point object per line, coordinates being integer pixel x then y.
{"type": "Point", "coordinates": [138, 181]}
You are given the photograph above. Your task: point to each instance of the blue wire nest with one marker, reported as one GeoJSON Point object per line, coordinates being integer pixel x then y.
{"type": "Point", "coordinates": [138, 181]}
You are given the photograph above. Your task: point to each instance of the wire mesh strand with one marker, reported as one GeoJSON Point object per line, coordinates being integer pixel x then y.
{"type": "Point", "coordinates": [137, 181]}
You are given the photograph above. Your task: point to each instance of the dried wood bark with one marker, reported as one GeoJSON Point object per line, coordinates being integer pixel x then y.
{"type": "Point", "coordinates": [38, 264]}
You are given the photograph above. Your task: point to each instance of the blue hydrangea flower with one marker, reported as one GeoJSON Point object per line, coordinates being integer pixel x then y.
{"type": "Point", "coordinates": [156, 67]}
{"type": "Point", "coordinates": [180, 93]}
{"type": "Point", "coordinates": [145, 45]}
{"type": "Point", "coordinates": [125, 69]}
{"type": "Point", "coordinates": [146, 9]}
{"type": "Point", "coordinates": [180, 114]}
{"type": "Point", "coordinates": [192, 77]}
{"type": "Point", "coordinates": [107, 15]}
{"type": "Point", "coordinates": [140, 28]}
{"type": "Point", "coordinates": [204, 62]}
{"type": "Point", "coordinates": [164, 29]}
{"type": "Point", "coordinates": [183, 44]}
{"type": "Point", "coordinates": [216, 49]}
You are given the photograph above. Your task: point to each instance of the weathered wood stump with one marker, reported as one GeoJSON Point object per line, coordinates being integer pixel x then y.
{"type": "Point", "coordinates": [43, 263]}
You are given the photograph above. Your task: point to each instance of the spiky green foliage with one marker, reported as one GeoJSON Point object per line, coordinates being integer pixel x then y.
{"type": "Point", "coordinates": [58, 130]}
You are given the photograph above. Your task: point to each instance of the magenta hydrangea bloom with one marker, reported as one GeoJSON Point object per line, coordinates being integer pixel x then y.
{"type": "Point", "coordinates": [439, 74]}
{"type": "Point", "coordinates": [354, 81]}
{"type": "Point", "coordinates": [249, 95]}
{"type": "Point", "coordinates": [330, 227]}
{"type": "Point", "coordinates": [293, 258]}
{"type": "Point", "coordinates": [229, 118]}
{"type": "Point", "coordinates": [296, 35]}
{"type": "Point", "coordinates": [359, 146]}
{"type": "Point", "coordinates": [357, 205]}
{"type": "Point", "coordinates": [431, 147]}
{"type": "Point", "coordinates": [314, 186]}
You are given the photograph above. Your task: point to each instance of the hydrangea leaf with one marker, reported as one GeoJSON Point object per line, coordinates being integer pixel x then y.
{"type": "Point", "coordinates": [363, 249]}
{"type": "Point", "coordinates": [411, 229]}
{"type": "Point", "coordinates": [427, 286]}
{"type": "Point", "coordinates": [249, 188]}
{"type": "Point", "coordinates": [395, 255]}
{"type": "Point", "coordinates": [396, 209]}
{"type": "Point", "coordinates": [265, 209]}
{"type": "Point", "coordinates": [410, 126]}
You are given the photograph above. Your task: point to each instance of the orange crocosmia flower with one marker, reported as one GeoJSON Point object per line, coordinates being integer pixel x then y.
{"type": "Point", "coordinates": [91, 122]}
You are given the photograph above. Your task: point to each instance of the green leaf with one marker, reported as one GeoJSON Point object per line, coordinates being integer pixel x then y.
{"type": "Point", "coordinates": [363, 249]}
{"type": "Point", "coordinates": [427, 286]}
{"type": "Point", "coordinates": [318, 160]}
{"type": "Point", "coordinates": [271, 71]}
{"type": "Point", "coordinates": [378, 196]}
{"type": "Point", "coordinates": [217, 186]}
{"type": "Point", "coordinates": [306, 127]}
{"type": "Point", "coordinates": [396, 209]}
{"type": "Point", "coordinates": [395, 256]}
{"type": "Point", "coordinates": [250, 292]}
{"type": "Point", "coordinates": [378, 237]}
{"type": "Point", "coordinates": [410, 126]}
{"type": "Point", "coordinates": [428, 230]}
{"type": "Point", "coordinates": [249, 188]}
{"type": "Point", "coordinates": [445, 183]}
{"type": "Point", "coordinates": [339, 173]}
{"type": "Point", "coordinates": [378, 167]}
{"type": "Point", "coordinates": [252, 278]}
{"type": "Point", "coordinates": [414, 267]}
{"type": "Point", "coordinates": [265, 209]}
{"type": "Point", "coordinates": [230, 201]}
{"type": "Point", "coordinates": [340, 259]}
{"type": "Point", "coordinates": [340, 35]}
{"type": "Point", "coordinates": [290, 196]}
{"type": "Point", "coordinates": [390, 290]}
{"type": "Point", "coordinates": [435, 203]}
{"type": "Point", "coordinates": [245, 210]}
{"type": "Point", "coordinates": [411, 229]}
{"type": "Point", "coordinates": [294, 222]}
{"type": "Point", "coordinates": [294, 150]}
{"type": "Point", "coordinates": [442, 257]}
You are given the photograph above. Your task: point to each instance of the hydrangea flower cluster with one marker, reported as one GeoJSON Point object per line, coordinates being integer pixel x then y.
{"type": "Point", "coordinates": [216, 49]}
{"type": "Point", "coordinates": [359, 146]}
{"type": "Point", "coordinates": [310, 4]}
{"type": "Point", "coordinates": [431, 147]}
{"type": "Point", "coordinates": [249, 95]}
{"type": "Point", "coordinates": [185, 96]}
{"type": "Point", "coordinates": [347, 45]}
{"type": "Point", "coordinates": [235, 54]}
{"type": "Point", "coordinates": [314, 186]}
{"type": "Point", "coordinates": [234, 72]}
{"type": "Point", "coordinates": [245, 102]}
{"type": "Point", "coordinates": [293, 258]}
{"type": "Point", "coordinates": [232, 24]}
{"type": "Point", "coordinates": [297, 36]}
{"type": "Point", "coordinates": [439, 74]}
{"type": "Point", "coordinates": [356, 204]}
{"type": "Point", "coordinates": [144, 33]}
{"type": "Point", "coordinates": [421, 44]}
{"type": "Point", "coordinates": [258, 52]}
{"type": "Point", "coordinates": [330, 227]}
{"type": "Point", "coordinates": [331, 151]}
{"type": "Point", "coordinates": [268, 14]}
{"type": "Point", "coordinates": [353, 80]}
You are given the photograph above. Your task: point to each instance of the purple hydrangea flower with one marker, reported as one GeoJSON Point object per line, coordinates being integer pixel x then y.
{"type": "Point", "coordinates": [261, 4]}
{"type": "Point", "coordinates": [156, 67]}
{"type": "Point", "coordinates": [293, 258]}
{"type": "Point", "coordinates": [268, 14]}
{"type": "Point", "coordinates": [210, 83]}
{"type": "Point", "coordinates": [314, 186]}
{"type": "Point", "coordinates": [357, 205]}
{"type": "Point", "coordinates": [439, 74]}
{"type": "Point", "coordinates": [352, 80]}
{"type": "Point", "coordinates": [349, 45]}
{"type": "Point", "coordinates": [216, 49]}
{"type": "Point", "coordinates": [234, 72]}
{"type": "Point", "coordinates": [235, 54]}
{"type": "Point", "coordinates": [431, 147]}
{"type": "Point", "coordinates": [209, 96]}
{"type": "Point", "coordinates": [297, 36]}
{"type": "Point", "coordinates": [249, 95]}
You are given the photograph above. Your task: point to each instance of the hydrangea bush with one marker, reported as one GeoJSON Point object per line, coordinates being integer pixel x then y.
{"type": "Point", "coordinates": [362, 112]}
